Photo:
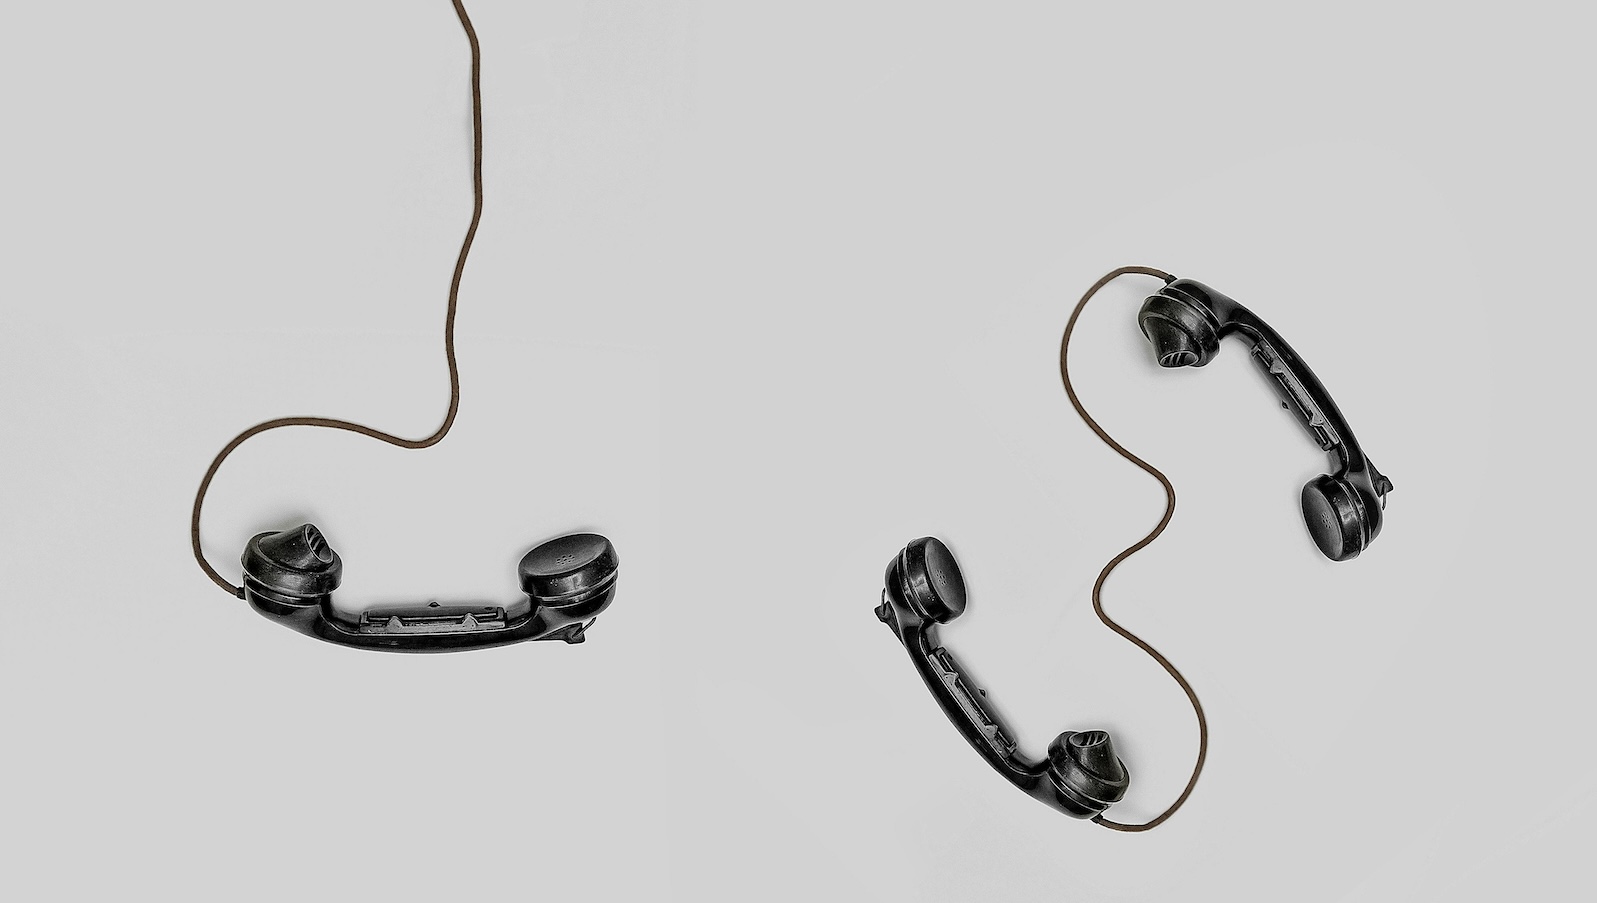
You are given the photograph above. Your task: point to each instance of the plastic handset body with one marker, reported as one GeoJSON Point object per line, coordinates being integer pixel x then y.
{"type": "Point", "coordinates": [962, 702]}
{"type": "Point", "coordinates": [425, 628]}
{"type": "Point", "coordinates": [1300, 390]}
{"type": "Point", "coordinates": [290, 576]}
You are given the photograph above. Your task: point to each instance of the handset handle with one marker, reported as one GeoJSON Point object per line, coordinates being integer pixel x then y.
{"type": "Point", "coordinates": [424, 628]}
{"type": "Point", "coordinates": [1301, 392]}
{"type": "Point", "coordinates": [960, 699]}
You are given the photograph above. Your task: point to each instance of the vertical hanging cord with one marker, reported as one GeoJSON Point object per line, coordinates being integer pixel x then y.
{"type": "Point", "coordinates": [1169, 511]}
{"type": "Point", "coordinates": [449, 334]}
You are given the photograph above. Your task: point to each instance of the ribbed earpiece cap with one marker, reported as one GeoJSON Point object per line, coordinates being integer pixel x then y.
{"type": "Point", "coordinates": [569, 569]}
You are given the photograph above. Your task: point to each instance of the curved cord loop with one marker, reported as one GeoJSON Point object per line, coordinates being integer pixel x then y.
{"type": "Point", "coordinates": [449, 335]}
{"type": "Point", "coordinates": [1169, 512]}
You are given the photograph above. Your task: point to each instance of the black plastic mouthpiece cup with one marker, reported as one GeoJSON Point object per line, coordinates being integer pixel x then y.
{"type": "Point", "coordinates": [1088, 775]}
{"type": "Point", "coordinates": [928, 578]}
{"type": "Point", "coordinates": [1183, 331]}
{"type": "Point", "coordinates": [1171, 345]}
{"type": "Point", "coordinates": [294, 567]}
{"type": "Point", "coordinates": [569, 570]}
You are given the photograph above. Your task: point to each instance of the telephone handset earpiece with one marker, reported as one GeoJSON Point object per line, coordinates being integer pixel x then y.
{"type": "Point", "coordinates": [290, 576]}
{"type": "Point", "coordinates": [1081, 775]}
{"type": "Point", "coordinates": [1186, 320]}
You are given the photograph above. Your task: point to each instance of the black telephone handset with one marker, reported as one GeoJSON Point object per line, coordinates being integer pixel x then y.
{"type": "Point", "coordinates": [290, 576]}
{"type": "Point", "coordinates": [1186, 320]}
{"type": "Point", "coordinates": [1081, 776]}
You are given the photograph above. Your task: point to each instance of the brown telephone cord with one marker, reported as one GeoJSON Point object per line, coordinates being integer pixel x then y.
{"type": "Point", "coordinates": [449, 334]}
{"type": "Point", "coordinates": [1169, 511]}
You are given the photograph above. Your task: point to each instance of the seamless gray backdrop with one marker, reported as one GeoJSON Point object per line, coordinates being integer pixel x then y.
{"type": "Point", "coordinates": [762, 292]}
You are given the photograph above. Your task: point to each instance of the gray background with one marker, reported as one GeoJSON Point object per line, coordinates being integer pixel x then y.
{"type": "Point", "coordinates": [762, 292]}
